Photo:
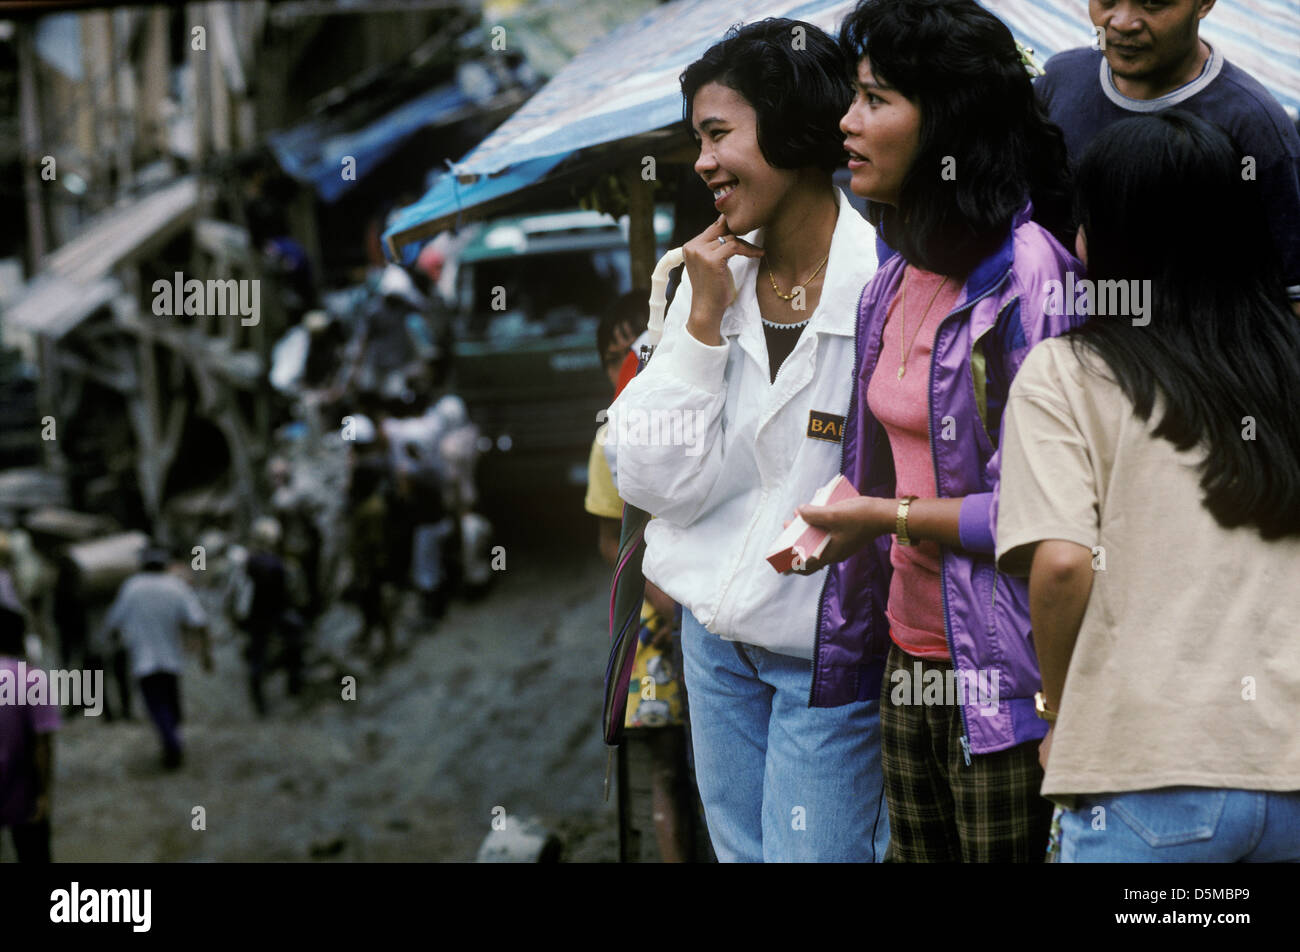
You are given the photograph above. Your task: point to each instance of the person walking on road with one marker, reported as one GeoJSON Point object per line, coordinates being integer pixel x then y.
{"type": "Point", "coordinates": [151, 613]}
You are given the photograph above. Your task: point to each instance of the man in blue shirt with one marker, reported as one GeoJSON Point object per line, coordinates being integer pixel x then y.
{"type": "Point", "coordinates": [1150, 57]}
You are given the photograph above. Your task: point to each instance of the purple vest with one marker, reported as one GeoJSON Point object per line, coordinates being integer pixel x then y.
{"type": "Point", "coordinates": [999, 316]}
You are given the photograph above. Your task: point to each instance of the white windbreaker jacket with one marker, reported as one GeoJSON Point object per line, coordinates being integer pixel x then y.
{"type": "Point", "coordinates": [721, 456]}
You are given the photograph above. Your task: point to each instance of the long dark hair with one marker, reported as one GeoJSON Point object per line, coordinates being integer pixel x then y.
{"type": "Point", "coordinates": [959, 64]}
{"type": "Point", "coordinates": [1164, 198]}
{"type": "Point", "coordinates": [799, 93]}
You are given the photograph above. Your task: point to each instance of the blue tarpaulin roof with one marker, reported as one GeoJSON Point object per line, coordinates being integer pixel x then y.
{"type": "Point", "coordinates": [450, 194]}
{"type": "Point", "coordinates": [626, 84]}
{"type": "Point", "coordinates": [314, 152]}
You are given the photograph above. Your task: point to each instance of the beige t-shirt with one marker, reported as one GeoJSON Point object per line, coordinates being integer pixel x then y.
{"type": "Point", "coordinates": [1186, 671]}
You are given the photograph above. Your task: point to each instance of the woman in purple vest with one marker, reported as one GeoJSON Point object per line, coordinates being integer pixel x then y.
{"type": "Point", "coordinates": [966, 182]}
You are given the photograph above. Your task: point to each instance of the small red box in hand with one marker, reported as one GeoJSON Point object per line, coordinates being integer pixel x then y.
{"type": "Point", "coordinates": [800, 541]}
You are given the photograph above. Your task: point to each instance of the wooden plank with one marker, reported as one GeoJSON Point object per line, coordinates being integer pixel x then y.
{"type": "Point", "coordinates": [51, 306]}
{"type": "Point", "coordinates": [128, 232]}
{"type": "Point", "coordinates": [122, 382]}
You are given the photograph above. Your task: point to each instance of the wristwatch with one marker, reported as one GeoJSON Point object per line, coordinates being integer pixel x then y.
{"type": "Point", "coordinates": [1040, 706]}
{"type": "Point", "coordinates": [900, 523]}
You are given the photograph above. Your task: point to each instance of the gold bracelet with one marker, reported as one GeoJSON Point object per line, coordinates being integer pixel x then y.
{"type": "Point", "coordinates": [900, 524]}
{"type": "Point", "coordinates": [1041, 708]}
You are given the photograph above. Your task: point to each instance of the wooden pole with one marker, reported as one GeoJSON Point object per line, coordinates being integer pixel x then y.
{"type": "Point", "coordinates": [641, 225]}
{"type": "Point", "coordinates": [29, 117]}
{"type": "Point", "coordinates": [97, 39]}
{"type": "Point", "coordinates": [218, 88]}
{"type": "Point", "coordinates": [118, 142]}
{"type": "Point", "coordinates": [198, 63]}
{"type": "Point", "coordinates": [153, 88]}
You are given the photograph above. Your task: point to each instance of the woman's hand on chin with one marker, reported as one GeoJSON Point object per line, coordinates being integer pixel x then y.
{"type": "Point", "coordinates": [851, 523]}
{"type": "Point", "coordinates": [712, 287]}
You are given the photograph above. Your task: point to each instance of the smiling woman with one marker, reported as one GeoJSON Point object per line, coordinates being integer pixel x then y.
{"type": "Point", "coordinates": [758, 343]}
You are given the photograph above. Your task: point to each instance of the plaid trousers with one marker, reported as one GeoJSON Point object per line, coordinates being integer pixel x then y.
{"type": "Point", "coordinates": [940, 809]}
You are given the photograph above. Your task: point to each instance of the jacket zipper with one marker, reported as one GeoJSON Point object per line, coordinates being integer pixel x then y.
{"type": "Point", "coordinates": [718, 619]}
{"type": "Point", "coordinates": [993, 602]}
{"type": "Point", "coordinates": [943, 574]}
{"type": "Point", "coordinates": [821, 600]}
{"type": "Point", "coordinates": [762, 502]}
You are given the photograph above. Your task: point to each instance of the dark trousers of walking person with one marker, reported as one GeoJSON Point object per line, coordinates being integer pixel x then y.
{"type": "Point", "coordinates": [259, 638]}
{"type": "Point", "coordinates": [162, 696]}
{"type": "Point", "coordinates": [118, 664]}
{"type": "Point", "coordinates": [31, 841]}
{"type": "Point", "coordinates": [289, 627]}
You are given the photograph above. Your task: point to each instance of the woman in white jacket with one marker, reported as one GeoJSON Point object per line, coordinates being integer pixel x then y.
{"type": "Point", "coordinates": [735, 422]}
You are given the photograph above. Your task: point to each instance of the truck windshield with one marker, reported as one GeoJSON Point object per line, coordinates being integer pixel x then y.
{"type": "Point", "coordinates": [543, 295]}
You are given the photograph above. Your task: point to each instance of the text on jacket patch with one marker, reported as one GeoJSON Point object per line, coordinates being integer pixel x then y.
{"type": "Point", "coordinates": [825, 426]}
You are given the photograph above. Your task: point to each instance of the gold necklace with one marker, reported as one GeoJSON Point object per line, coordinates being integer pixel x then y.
{"type": "Point", "coordinates": [790, 296]}
{"type": "Point", "coordinates": [904, 347]}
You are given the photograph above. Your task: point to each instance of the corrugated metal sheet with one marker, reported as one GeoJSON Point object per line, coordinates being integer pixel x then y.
{"type": "Point", "coordinates": [77, 277]}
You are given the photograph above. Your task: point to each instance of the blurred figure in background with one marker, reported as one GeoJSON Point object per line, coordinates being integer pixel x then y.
{"type": "Point", "coordinates": [274, 596]}
{"type": "Point", "coordinates": [78, 609]}
{"type": "Point", "coordinates": [432, 458]}
{"type": "Point", "coordinates": [152, 611]}
{"type": "Point", "coordinates": [301, 540]}
{"type": "Point", "coordinates": [368, 549]}
{"type": "Point", "coordinates": [429, 270]}
{"type": "Point", "coordinates": [392, 337]}
{"type": "Point", "coordinates": [26, 744]}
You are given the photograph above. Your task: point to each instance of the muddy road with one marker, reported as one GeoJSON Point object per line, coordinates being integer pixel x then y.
{"type": "Point", "coordinates": [497, 705]}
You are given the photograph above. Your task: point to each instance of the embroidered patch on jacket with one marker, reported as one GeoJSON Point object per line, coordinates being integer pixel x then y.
{"type": "Point", "coordinates": [825, 426]}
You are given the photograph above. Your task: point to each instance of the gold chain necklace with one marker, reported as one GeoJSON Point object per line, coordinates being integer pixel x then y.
{"type": "Point", "coordinates": [790, 296]}
{"type": "Point", "coordinates": [904, 347]}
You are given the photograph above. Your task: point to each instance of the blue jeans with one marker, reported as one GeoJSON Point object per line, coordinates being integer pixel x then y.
{"type": "Point", "coordinates": [1183, 825]}
{"type": "Point", "coordinates": [780, 781]}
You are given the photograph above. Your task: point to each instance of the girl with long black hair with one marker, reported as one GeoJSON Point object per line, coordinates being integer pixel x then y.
{"type": "Point", "coordinates": [1151, 490]}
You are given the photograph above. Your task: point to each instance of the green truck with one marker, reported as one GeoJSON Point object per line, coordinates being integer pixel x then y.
{"type": "Point", "coordinates": [530, 292]}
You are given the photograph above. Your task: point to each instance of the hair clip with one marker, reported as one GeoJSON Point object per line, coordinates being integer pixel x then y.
{"type": "Point", "coordinates": [1028, 61]}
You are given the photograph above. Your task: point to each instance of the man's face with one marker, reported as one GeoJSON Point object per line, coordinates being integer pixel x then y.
{"type": "Point", "coordinates": [1147, 38]}
{"type": "Point", "coordinates": [620, 342]}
